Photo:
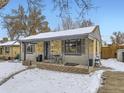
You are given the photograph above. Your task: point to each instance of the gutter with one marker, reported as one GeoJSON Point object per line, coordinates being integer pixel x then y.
{"type": "Point", "coordinates": [56, 38]}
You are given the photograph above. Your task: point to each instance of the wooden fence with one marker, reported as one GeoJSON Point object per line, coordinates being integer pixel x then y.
{"type": "Point", "coordinates": [110, 51]}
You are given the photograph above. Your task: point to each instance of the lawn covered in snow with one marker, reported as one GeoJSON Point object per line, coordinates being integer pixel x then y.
{"type": "Point", "coordinates": [114, 64]}
{"type": "Point", "coordinates": [43, 81]}
{"type": "Point", "coordinates": [7, 68]}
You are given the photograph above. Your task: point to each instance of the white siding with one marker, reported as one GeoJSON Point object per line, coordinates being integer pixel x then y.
{"type": "Point", "coordinates": [119, 54]}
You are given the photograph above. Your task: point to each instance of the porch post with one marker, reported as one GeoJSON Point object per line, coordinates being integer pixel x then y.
{"type": "Point", "coordinates": [62, 51]}
{"type": "Point", "coordinates": [88, 53]}
{"type": "Point", "coordinates": [20, 50]}
{"type": "Point", "coordinates": [12, 53]}
{"type": "Point", "coordinates": [24, 45]}
{"type": "Point", "coordinates": [94, 51]}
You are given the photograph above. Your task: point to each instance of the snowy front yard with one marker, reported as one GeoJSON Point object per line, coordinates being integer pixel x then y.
{"type": "Point", "coordinates": [44, 81]}
{"type": "Point", "coordinates": [114, 64]}
{"type": "Point", "coordinates": [8, 68]}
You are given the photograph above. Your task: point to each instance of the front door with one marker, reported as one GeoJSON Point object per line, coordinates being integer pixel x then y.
{"type": "Point", "coordinates": [123, 56]}
{"type": "Point", "coordinates": [46, 49]}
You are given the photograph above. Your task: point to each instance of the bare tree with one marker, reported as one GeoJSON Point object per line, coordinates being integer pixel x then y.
{"type": "Point", "coordinates": [35, 4]}
{"type": "Point", "coordinates": [32, 22]}
{"type": "Point", "coordinates": [87, 23]}
{"type": "Point", "coordinates": [64, 7]}
{"type": "Point", "coordinates": [36, 22]}
{"type": "Point", "coordinates": [117, 38]}
{"type": "Point", "coordinates": [21, 24]}
{"type": "Point", "coordinates": [16, 24]}
{"type": "Point", "coordinates": [3, 3]}
{"type": "Point", "coordinates": [69, 23]}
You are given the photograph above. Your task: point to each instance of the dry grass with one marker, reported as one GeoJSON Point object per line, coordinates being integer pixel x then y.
{"type": "Point", "coordinates": [113, 82]}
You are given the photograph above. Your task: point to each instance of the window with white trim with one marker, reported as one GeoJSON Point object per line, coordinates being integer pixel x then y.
{"type": "Point", "coordinates": [7, 49]}
{"type": "Point", "coordinates": [83, 46]}
{"type": "Point", "coordinates": [30, 48]}
{"type": "Point", "coordinates": [1, 50]}
{"type": "Point", "coordinates": [72, 47]}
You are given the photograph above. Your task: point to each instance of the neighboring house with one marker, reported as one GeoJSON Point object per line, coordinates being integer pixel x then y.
{"type": "Point", "coordinates": [9, 50]}
{"type": "Point", "coordinates": [73, 46]}
{"type": "Point", "coordinates": [120, 53]}
{"type": "Point", "coordinates": [110, 51]}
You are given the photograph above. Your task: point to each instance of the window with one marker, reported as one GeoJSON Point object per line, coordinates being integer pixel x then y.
{"type": "Point", "coordinates": [30, 48]}
{"type": "Point", "coordinates": [72, 47]}
{"type": "Point", "coordinates": [7, 49]}
{"type": "Point", "coordinates": [1, 50]}
{"type": "Point", "coordinates": [83, 46]}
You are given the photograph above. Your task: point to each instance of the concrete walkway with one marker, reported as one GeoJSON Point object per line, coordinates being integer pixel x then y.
{"type": "Point", "coordinates": [113, 82]}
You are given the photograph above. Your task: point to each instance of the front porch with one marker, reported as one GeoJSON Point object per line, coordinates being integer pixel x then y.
{"type": "Point", "coordinates": [75, 60]}
{"type": "Point", "coordinates": [78, 69]}
{"type": "Point", "coordinates": [74, 51]}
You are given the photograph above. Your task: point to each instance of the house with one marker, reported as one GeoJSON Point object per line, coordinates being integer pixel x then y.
{"type": "Point", "coordinates": [9, 50]}
{"type": "Point", "coordinates": [77, 46]}
{"type": "Point", "coordinates": [120, 53]}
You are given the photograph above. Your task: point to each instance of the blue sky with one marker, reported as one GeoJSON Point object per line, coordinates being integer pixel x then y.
{"type": "Point", "coordinates": [108, 15]}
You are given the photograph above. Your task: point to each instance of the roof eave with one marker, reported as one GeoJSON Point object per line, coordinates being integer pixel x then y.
{"type": "Point", "coordinates": [56, 38]}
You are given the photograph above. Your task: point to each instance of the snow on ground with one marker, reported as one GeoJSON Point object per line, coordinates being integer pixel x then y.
{"type": "Point", "coordinates": [7, 68]}
{"type": "Point", "coordinates": [44, 81]}
{"type": "Point", "coordinates": [114, 64]}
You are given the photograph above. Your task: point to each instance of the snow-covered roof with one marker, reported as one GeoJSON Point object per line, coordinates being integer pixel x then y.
{"type": "Point", "coordinates": [73, 33]}
{"type": "Point", "coordinates": [121, 44]}
{"type": "Point", "coordinates": [10, 43]}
